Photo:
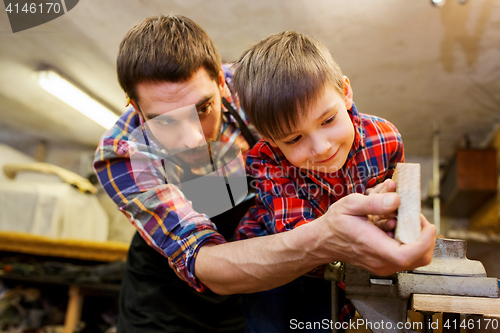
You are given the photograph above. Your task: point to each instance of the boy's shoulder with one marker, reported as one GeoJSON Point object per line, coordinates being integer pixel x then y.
{"type": "Point", "coordinates": [371, 120]}
{"type": "Point", "coordinates": [264, 156]}
{"type": "Point", "coordinates": [378, 136]}
{"type": "Point", "coordinates": [376, 126]}
{"type": "Point", "coordinates": [263, 150]}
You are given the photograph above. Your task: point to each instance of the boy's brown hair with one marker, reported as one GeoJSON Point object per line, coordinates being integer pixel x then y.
{"type": "Point", "coordinates": [279, 77]}
{"type": "Point", "coordinates": [165, 48]}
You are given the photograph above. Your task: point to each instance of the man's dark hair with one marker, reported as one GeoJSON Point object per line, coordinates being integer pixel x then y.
{"type": "Point", "coordinates": [165, 48]}
{"type": "Point", "coordinates": [280, 77]}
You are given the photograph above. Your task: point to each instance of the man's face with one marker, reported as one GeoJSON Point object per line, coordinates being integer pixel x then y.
{"type": "Point", "coordinates": [324, 137]}
{"type": "Point", "coordinates": [183, 116]}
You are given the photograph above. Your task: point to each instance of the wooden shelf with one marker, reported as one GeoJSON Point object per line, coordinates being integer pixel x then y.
{"type": "Point", "coordinates": [75, 249]}
{"type": "Point", "coordinates": [54, 280]}
{"type": "Point", "coordinates": [469, 181]}
{"type": "Point", "coordinates": [69, 248]}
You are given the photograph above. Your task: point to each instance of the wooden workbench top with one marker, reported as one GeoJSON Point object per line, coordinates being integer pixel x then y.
{"type": "Point", "coordinates": [67, 248]}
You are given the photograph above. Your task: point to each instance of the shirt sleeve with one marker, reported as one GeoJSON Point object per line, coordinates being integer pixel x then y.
{"type": "Point", "coordinates": [162, 215]}
{"type": "Point", "coordinates": [280, 204]}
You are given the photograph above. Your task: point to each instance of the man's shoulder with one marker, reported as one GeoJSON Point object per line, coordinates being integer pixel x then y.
{"type": "Point", "coordinates": [115, 141]}
{"type": "Point", "coordinates": [124, 126]}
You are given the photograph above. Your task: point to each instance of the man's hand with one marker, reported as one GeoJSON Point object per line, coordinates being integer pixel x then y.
{"type": "Point", "coordinates": [386, 222]}
{"type": "Point", "coordinates": [349, 235]}
{"type": "Point", "coordinates": [344, 233]}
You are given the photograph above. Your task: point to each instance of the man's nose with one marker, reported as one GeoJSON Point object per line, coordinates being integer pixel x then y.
{"type": "Point", "coordinates": [192, 135]}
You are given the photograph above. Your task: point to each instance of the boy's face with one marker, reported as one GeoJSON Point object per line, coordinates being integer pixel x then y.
{"type": "Point", "coordinates": [324, 137]}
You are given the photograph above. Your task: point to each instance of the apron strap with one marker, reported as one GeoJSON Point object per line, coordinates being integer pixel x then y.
{"type": "Point", "coordinates": [243, 127]}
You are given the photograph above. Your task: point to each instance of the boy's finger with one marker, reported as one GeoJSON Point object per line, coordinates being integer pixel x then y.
{"type": "Point", "coordinates": [371, 190]}
{"type": "Point", "coordinates": [387, 224]}
{"type": "Point", "coordinates": [390, 185]}
{"type": "Point", "coordinates": [374, 204]}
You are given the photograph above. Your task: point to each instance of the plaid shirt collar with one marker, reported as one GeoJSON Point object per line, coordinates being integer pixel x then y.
{"type": "Point", "coordinates": [359, 130]}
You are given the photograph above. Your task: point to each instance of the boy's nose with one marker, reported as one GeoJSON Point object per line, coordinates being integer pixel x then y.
{"type": "Point", "coordinates": [320, 146]}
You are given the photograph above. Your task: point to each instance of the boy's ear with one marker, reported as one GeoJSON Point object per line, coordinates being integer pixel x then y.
{"type": "Point", "coordinates": [222, 81]}
{"type": "Point", "coordinates": [347, 90]}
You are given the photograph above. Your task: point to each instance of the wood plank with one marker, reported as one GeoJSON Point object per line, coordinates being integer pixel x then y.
{"type": "Point", "coordinates": [407, 178]}
{"type": "Point", "coordinates": [456, 304]}
{"type": "Point", "coordinates": [67, 248]}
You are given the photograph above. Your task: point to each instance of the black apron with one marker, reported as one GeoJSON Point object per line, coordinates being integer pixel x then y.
{"type": "Point", "coordinates": [153, 299]}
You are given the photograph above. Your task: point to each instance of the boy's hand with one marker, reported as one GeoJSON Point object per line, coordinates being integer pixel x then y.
{"type": "Point", "coordinates": [388, 185]}
{"type": "Point", "coordinates": [353, 240]}
{"type": "Point", "coordinates": [386, 222]}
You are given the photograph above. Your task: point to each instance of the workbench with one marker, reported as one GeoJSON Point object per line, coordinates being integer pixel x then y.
{"type": "Point", "coordinates": [451, 284]}
{"type": "Point", "coordinates": [483, 314]}
{"type": "Point", "coordinates": [84, 251]}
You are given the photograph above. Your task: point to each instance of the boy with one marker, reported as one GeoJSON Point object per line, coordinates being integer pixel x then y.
{"type": "Point", "coordinates": [317, 149]}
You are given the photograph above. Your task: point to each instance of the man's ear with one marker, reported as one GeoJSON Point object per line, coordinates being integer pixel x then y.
{"type": "Point", "coordinates": [134, 104]}
{"type": "Point", "coordinates": [347, 90]}
{"type": "Point", "coordinates": [222, 81]}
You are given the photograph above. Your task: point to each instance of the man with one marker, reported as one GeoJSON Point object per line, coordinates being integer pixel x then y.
{"type": "Point", "coordinates": [168, 65]}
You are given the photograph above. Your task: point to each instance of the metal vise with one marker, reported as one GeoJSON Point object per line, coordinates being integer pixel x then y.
{"type": "Point", "coordinates": [385, 299]}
